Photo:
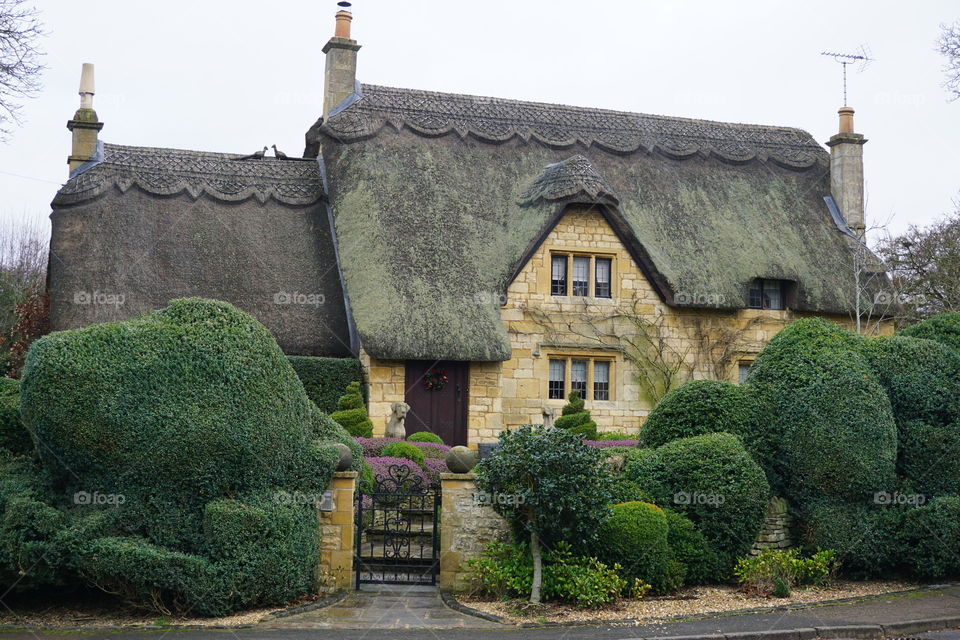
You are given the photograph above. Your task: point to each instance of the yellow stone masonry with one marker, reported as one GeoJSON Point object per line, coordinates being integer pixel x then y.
{"type": "Point", "coordinates": [705, 343]}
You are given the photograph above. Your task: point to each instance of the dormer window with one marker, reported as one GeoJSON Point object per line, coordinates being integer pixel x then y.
{"type": "Point", "coordinates": [766, 294]}
{"type": "Point", "coordinates": [589, 275]}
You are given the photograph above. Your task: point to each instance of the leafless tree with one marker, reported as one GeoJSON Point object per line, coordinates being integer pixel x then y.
{"type": "Point", "coordinates": [948, 44]}
{"type": "Point", "coordinates": [20, 59]}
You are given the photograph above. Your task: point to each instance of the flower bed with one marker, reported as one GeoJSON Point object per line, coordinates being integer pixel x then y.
{"type": "Point", "coordinates": [603, 444]}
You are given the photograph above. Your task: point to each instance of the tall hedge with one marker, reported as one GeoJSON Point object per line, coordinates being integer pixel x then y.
{"type": "Point", "coordinates": [325, 378]}
{"type": "Point", "coordinates": [699, 407]}
{"type": "Point", "coordinates": [175, 412]}
{"type": "Point", "coordinates": [713, 481]}
{"type": "Point", "coordinates": [943, 328]}
{"type": "Point", "coordinates": [14, 437]}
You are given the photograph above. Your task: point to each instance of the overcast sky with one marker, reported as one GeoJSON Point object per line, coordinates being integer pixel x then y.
{"type": "Point", "coordinates": [234, 76]}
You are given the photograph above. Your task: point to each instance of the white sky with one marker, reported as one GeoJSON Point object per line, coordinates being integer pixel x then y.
{"type": "Point", "coordinates": [234, 76]}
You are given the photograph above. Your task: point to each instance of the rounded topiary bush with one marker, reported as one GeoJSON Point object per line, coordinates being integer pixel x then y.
{"type": "Point", "coordinates": [403, 450]}
{"type": "Point", "coordinates": [169, 413]}
{"type": "Point", "coordinates": [425, 436]}
{"type": "Point", "coordinates": [921, 377]}
{"type": "Point", "coordinates": [635, 535]}
{"type": "Point", "coordinates": [802, 353]}
{"type": "Point", "coordinates": [713, 481]}
{"type": "Point", "coordinates": [351, 413]}
{"type": "Point", "coordinates": [929, 539]}
{"type": "Point", "coordinates": [575, 418]}
{"type": "Point", "coordinates": [839, 437]}
{"type": "Point", "coordinates": [690, 549]}
{"type": "Point", "coordinates": [943, 328]}
{"type": "Point", "coordinates": [698, 407]}
{"type": "Point", "coordinates": [864, 535]}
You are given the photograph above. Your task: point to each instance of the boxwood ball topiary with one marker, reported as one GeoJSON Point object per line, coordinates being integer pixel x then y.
{"type": "Point", "coordinates": [175, 410]}
{"type": "Point", "coordinates": [461, 459]}
{"type": "Point", "coordinates": [403, 450]}
{"type": "Point", "coordinates": [425, 436]}
{"type": "Point", "coordinates": [635, 535]}
{"type": "Point", "coordinates": [713, 481]}
{"type": "Point", "coordinates": [698, 407]}
{"type": "Point", "coordinates": [943, 328]}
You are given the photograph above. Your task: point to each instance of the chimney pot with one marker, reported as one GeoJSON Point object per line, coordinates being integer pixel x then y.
{"type": "Point", "coordinates": [846, 119]}
{"type": "Point", "coordinates": [343, 24]}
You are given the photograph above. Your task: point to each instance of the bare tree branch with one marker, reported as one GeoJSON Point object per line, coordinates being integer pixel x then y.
{"type": "Point", "coordinates": [20, 59]}
{"type": "Point", "coordinates": [948, 44]}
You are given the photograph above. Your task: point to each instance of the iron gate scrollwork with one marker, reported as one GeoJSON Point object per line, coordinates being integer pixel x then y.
{"type": "Point", "coordinates": [397, 541]}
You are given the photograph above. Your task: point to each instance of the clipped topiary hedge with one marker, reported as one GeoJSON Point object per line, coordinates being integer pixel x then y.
{"type": "Point", "coordinates": [635, 535]}
{"type": "Point", "coordinates": [921, 377]}
{"type": "Point", "coordinates": [324, 379]}
{"type": "Point", "coordinates": [575, 418]}
{"type": "Point", "coordinates": [189, 420]}
{"type": "Point", "coordinates": [403, 450]}
{"type": "Point", "coordinates": [699, 407]}
{"type": "Point", "coordinates": [928, 457]}
{"type": "Point", "coordinates": [864, 535]}
{"type": "Point", "coordinates": [943, 328]}
{"type": "Point", "coordinates": [425, 436]}
{"type": "Point", "coordinates": [713, 481]}
{"type": "Point", "coordinates": [690, 549]}
{"type": "Point", "coordinates": [351, 413]}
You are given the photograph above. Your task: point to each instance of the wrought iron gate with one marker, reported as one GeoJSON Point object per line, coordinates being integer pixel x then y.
{"type": "Point", "coordinates": [397, 541]}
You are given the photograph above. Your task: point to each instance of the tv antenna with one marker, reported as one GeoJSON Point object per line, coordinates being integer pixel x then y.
{"type": "Point", "coordinates": [862, 59]}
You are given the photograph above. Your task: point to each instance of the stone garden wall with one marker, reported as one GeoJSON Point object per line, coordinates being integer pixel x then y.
{"type": "Point", "coordinates": [777, 528]}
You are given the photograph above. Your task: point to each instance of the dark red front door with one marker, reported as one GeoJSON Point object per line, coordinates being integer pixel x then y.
{"type": "Point", "coordinates": [441, 411]}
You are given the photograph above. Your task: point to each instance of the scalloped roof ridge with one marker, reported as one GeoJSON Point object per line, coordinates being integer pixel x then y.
{"type": "Point", "coordinates": [221, 176]}
{"type": "Point", "coordinates": [498, 120]}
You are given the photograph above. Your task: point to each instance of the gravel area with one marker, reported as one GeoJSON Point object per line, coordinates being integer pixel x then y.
{"type": "Point", "coordinates": [691, 601]}
{"type": "Point", "coordinates": [107, 612]}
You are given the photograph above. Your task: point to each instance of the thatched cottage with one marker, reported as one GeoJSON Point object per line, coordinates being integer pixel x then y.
{"type": "Point", "coordinates": [482, 257]}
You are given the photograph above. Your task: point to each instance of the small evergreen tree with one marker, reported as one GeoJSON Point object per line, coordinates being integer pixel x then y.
{"type": "Point", "coordinates": [351, 412]}
{"type": "Point", "coordinates": [576, 419]}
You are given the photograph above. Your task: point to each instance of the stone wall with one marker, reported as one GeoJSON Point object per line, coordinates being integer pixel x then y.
{"type": "Point", "coordinates": [467, 526]}
{"type": "Point", "coordinates": [777, 532]}
{"type": "Point", "coordinates": [335, 569]}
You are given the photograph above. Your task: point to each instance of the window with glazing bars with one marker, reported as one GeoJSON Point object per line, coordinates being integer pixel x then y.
{"type": "Point", "coordinates": [581, 276]}
{"type": "Point", "coordinates": [601, 380]}
{"type": "Point", "coordinates": [602, 277]}
{"type": "Point", "coordinates": [766, 294]}
{"type": "Point", "coordinates": [558, 278]}
{"type": "Point", "coordinates": [558, 370]}
{"type": "Point", "coordinates": [578, 377]}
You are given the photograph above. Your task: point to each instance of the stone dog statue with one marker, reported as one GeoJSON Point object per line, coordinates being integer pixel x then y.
{"type": "Point", "coordinates": [395, 426]}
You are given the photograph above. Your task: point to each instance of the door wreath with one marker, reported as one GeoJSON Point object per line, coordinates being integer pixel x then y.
{"type": "Point", "coordinates": [435, 380]}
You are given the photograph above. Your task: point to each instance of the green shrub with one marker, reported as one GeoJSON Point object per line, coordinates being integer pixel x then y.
{"type": "Point", "coordinates": [777, 571]}
{"type": "Point", "coordinates": [635, 536]}
{"type": "Point", "coordinates": [713, 481]}
{"type": "Point", "coordinates": [351, 413]}
{"type": "Point", "coordinates": [615, 435]}
{"type": "Point", "coordinates": [921, 378]}
{"type": "Point", "coordinates": [576, 419]}
{"type": "Point", "coordinates": [558, 483]}
{"type": "Point", "coordinates": [403, 450]}
{"type": "Point", "coordinates": [943, 328]}
{"type": "Point", "coordinates": [696, 408]}
{"type": "Point", "coordinates": [324, 379]}
{"type": "Point", "coordinates": [425, 436]}
{"type": "Point", "coordinates": [929, 537]}
{"type": "Point", "coordinates": [177, 411]}
{"type": "Point", "coordinates": [689, 548]}
{"type": "Point", "coordinates": [507, 571]}
{"type": "Point", "coordinates": [839, 437]}
{"type": "Point", "coordinates": [928, 457]}
{"type": "Point", "coordinates": [802, 353]}
{"type": "Point", "coordinates": [622, 489]}
{"type": "Point", "coordinates": [14, 436]}
{"type": "Point", "coordinates": [864, 535]}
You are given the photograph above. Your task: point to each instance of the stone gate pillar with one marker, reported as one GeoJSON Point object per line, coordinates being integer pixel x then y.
{"type": "Point", "coordinates": [467, 525]}
{"type": "Point", "coordinates": [335, 569]}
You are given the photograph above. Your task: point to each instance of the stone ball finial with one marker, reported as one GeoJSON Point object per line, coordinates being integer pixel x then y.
{"type": "Point", "coordinates": [461, 459]}
{"type": "Point", "coordinates": [346, 457]}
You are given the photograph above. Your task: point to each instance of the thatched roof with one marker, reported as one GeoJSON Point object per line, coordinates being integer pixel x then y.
{"type": "Point", "coordinates": [141, 226]}
{"type": "Point", "coordinates": [439, 198]}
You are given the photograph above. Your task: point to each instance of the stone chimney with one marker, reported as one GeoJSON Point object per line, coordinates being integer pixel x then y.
{"type": "Point", "coordinates": [846, 172]}
{"type": "Point", "coordinates": [84, 125]}
{"type": "Point", "coordinates": [340, 75]}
